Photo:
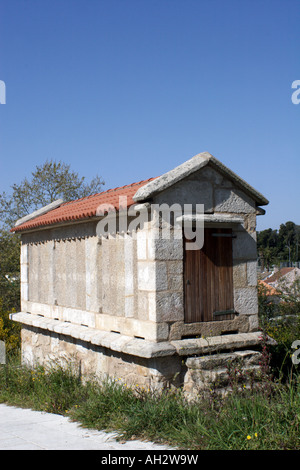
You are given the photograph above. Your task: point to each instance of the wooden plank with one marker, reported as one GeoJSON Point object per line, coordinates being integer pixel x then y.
{"type": "Point", "coordinates": [208, 278]}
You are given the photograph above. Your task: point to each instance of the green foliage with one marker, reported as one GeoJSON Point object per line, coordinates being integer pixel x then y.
{"type": "Point", "coordinates": [53, 389]}
{"type": "Point", "coordinates": [281, 321]}
{"type": "Point", "coordinates": [275, 246]}
{"type": "Point", "coordinates": [267, 307]}
{"type": "Point", "coordinates": [242, 420]}
{"type": "Point", "coordinates": [48, 182]}
{"type": "Point", "coordinates": [9, 271]}
{"type": "Point", "coordinates": [9, 289]}
{"type": "Point", "coordinates": [9, 331]}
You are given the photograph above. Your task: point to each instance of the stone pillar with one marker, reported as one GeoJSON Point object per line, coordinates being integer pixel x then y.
{"type": "Point", "coordinates": [91, 274]}
{"type": "Point", "coordinates": [160, 273]}
{"type": "Point", "coordinates": [129, 275]}
{"type": "Point", "coordinates": [24, 276]}
{"type": "Point", "coordinates": [244, 252]}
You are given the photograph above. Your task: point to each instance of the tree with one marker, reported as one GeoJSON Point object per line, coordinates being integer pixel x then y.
{"type": "Point", "coordinates": [288, 237]}
{"type": "Point", "coordinates": [48, 182]}
{"type": "Point", "coordinates": [267, 246]}
{"type": "Point", "coordinates": [275, 246]}
{"type": "Point", "coordinates": [9, 270]}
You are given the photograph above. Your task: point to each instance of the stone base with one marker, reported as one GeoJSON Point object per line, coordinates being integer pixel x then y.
{"type": "Point", "coordinates": [48, 348]}
{"type": "Point", "coordinates": [195, 364]}
{"type": "Point", "coordinates": [222, 372]}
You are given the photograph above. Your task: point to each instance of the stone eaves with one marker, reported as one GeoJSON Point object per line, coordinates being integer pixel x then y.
{"type": "Point", "coordinates": [139, 347]}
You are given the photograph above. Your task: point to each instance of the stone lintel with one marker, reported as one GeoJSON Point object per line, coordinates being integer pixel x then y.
{"type": "Point", "coordinates": [211, 219]}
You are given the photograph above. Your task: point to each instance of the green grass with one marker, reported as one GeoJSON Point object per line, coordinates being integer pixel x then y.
{"type": "Point", "coordinates": [242, 420]}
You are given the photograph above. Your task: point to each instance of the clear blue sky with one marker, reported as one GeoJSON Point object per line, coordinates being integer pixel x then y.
{"type": "Point", "coordinates": [129, 89]}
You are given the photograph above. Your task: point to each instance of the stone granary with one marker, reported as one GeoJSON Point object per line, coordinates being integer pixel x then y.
{"type": "Point", "coordinates": [153, 283]}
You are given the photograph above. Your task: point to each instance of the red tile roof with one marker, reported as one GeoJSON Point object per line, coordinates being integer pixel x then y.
{"type": "Point", "coordinates": [83, 208]}
{"type": "Point", "coordinates": [269, 290]}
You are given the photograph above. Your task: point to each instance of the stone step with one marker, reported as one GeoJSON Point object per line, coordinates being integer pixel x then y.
{"type": "Point", "coordinates": [220, 370]}
{"type": "Point", "coordinates": [211, 361]}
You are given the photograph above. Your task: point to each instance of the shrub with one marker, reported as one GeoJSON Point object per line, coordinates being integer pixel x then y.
{"type": "Point", "coordinates": [281, 321]}
{"type": "Point", "coordinates": [9, 330]}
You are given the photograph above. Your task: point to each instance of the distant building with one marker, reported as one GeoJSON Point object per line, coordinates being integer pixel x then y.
{"type": "Point", "coordinates": [283, 276]}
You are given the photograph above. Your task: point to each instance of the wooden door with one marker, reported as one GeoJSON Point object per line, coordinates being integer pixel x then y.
{"type": "Point", "coordinates": [208, 278]}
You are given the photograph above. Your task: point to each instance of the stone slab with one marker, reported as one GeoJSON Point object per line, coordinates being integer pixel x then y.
{"type": "Point", "coordinates": [140, 347]}
{"type": "Point", "coordinates": [114, 341]}
{"type": "Point", "coordinates": [41, 211]}
{"type": "Point", "coordinates": [188, 347]}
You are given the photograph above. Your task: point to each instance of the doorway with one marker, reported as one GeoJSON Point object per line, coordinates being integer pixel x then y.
{"type": "Point", "coordinates": [208, 278]}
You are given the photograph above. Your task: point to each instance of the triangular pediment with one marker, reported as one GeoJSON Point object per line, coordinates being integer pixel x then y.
{"type": "Point", "coordinates": [195, 164]}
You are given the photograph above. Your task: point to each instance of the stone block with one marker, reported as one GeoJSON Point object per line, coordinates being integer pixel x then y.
{"type": "Point", "coordinates": [161, 276]}
{"type": "Point", "coordinates": [233, 200]}
{"type": "Point", "coordinates": [143, 308]}
{"type": "Point", "coordinates": [146, 275]}
{"type": "Point", "coordinates": [24, 291]}
{"type": "Point", "coordinates": [168, 249]}
{"type": "Point", "coordinates": [152, 306]}
{"type": "Point", "coordinates": [209, 174]}
{"type": "Point", "coordinates": [216, 369]}
{"type": "Point", "coordinates": [251, 222]}
{"type": "Point", "coordinates": [245, 300]}
{"type": "Point", "coordinates": [216, 361]}
{"type": "Point", "coordinates": [91, 271]}
{"type": "Point", "coordinates": [151, 248]}
{"type": "Point", "coordinates": [244, 246]}
{"type": "Point", "coordinates": [175, 267]}
{"type": "Point", "coordinates": [24, 273]}
{"type": "Point", "coordinates": [24, 254]}
{"type": "Point", "coordinates": [141, 245]}
{"type": "Point", "coordinates": [169, 306]}
{"type": "Point", "coordinates": [175, 282]}
{"type": "Point", "coordinates": [253, 322]}
{"type": "Point", "coordinates": [252, 273]}
{"type": "Point", "coordinates": [129, 306]}
{"type": "Point", "coordinates": [192, 192]}
{"type": "Point", "coordinates": [201, 346]}
{"type": "Point", "coordinates": [239, 274]}
{"type": "Point", "coordinates": [152, 276]}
